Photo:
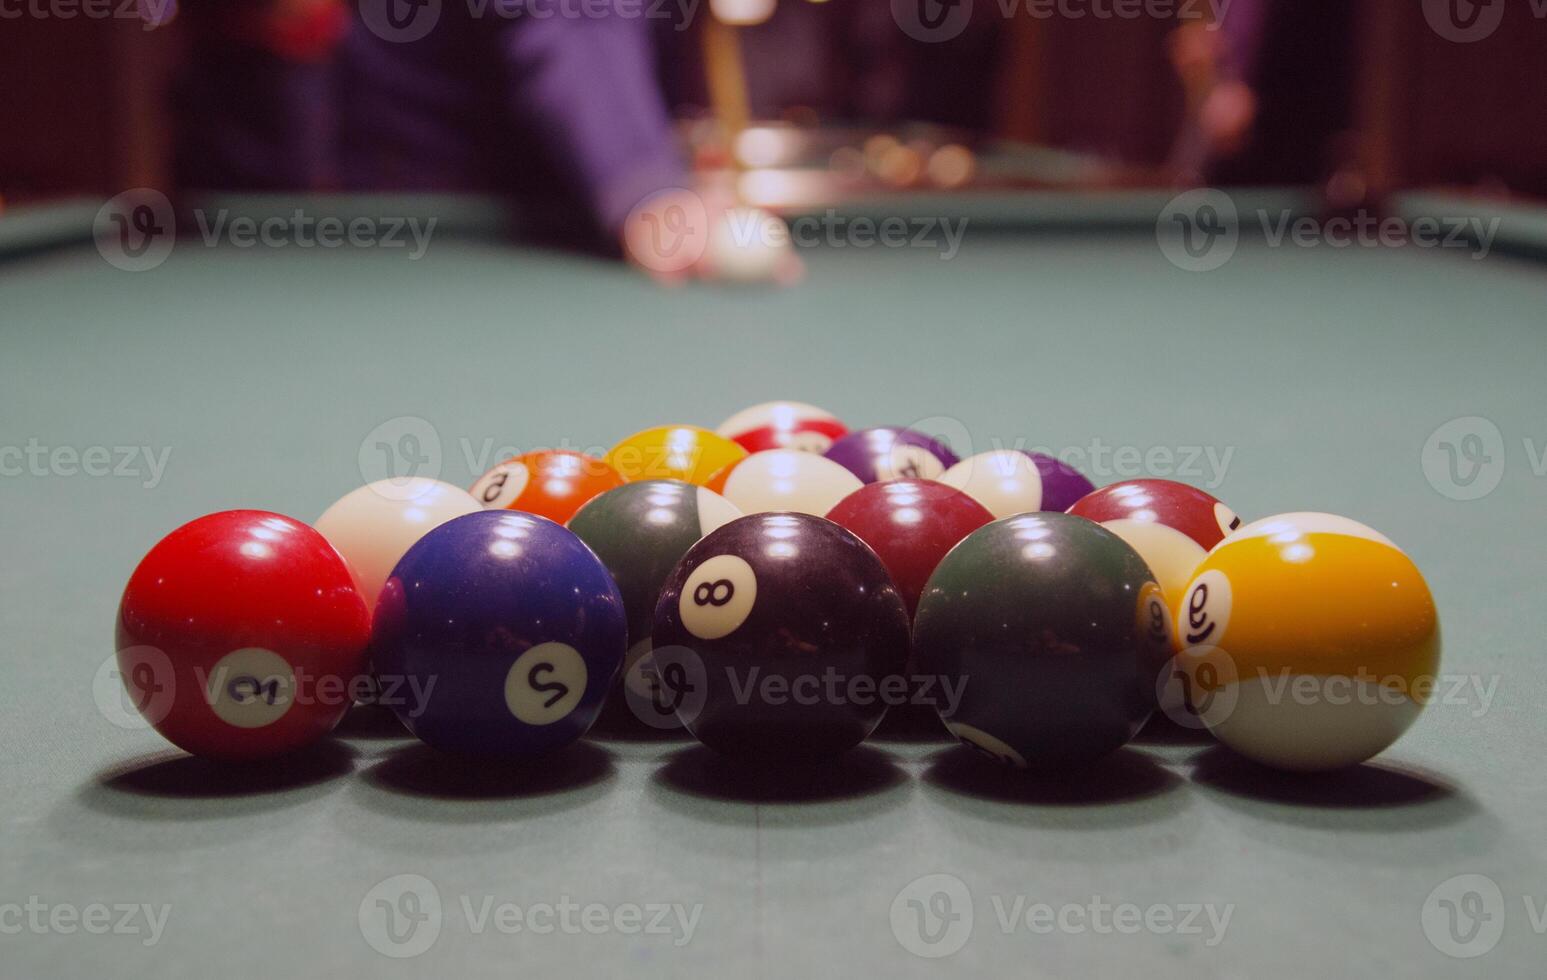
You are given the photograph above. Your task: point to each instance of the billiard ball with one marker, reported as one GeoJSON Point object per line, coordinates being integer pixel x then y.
{"type": "Point", "coordinates": [1010, 481]}
{"type": "Point", "coordinates": [747, 245]}
{"type": "Point", "coordinates": [242, 636]}
{"type": "Point", "coordinates": [1053, 632]}
{"type": "Point", "coordinates": [502, 633]}
{"type": "Point", "coordinates": [790, 633]}
{"type": "Point", "coordinates": [784, 479]}
{"type": "Point", "coordinates": [910, 524]}
{"type": "Point", "coordinates": [891, 453]}
{"type": "Point", "coordinates": [783, 425]}
{"type": "Point", "coordinates": [551, 483]}
{"type": "Point", "coordinates": [640, 531]}
{"type": "Point", "coordinates": [374, 525]}
{"type": "Point", "coordinates": [1171, 525]}
{"type": "Point", "coordinates": [673, 452]}
{"type": "Point", "coordinates": [1310, 642]}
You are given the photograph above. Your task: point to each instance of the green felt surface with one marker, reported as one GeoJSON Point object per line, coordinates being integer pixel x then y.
{"type": "Point", "coordinates": [1318, 373]}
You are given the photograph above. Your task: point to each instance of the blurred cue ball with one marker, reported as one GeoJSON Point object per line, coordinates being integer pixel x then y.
{"type": "Point", "coordinates": [747, 245]}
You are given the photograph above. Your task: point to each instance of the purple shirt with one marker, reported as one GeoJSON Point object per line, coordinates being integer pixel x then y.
{"type": "Point", "coordinates": [491, 98]}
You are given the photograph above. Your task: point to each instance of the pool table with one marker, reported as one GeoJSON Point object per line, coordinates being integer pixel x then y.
{"type": "Point", "coordinates": [1397, 384]}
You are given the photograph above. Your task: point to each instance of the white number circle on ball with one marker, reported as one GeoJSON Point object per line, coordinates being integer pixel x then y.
{"type": "Point", "coordinates": [1158, 619]}
{"type": "Point", "coordinates": [251, 688]}
{"type": "Point", "coordinates": [904, 462]}
{"type": "Point", "coordinates": [1205, 613]}
{"type": "Point", "coordinates": [717, 598]}
{"type": "Point", "coordinates": [545, 683]}
{"type": "Point", "coordinates": [499, 488]}
{"type": "Point", "coordinates": [1229, 523]}
{"type": "Point", "coordinates": [809, 442]}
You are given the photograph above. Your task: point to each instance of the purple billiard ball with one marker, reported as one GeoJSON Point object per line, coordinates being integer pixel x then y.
{"type": "Point", "coordinates": [892, 453]}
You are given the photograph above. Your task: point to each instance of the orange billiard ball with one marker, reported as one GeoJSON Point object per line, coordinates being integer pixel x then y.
{"type": "Point", "coordinates": [551, 483]}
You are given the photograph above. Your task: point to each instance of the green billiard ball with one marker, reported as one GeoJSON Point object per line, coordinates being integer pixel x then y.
{"type": "Point", "coordinates": [640, 531]}
{"type": "Point", "coordinates": [1054, 631]}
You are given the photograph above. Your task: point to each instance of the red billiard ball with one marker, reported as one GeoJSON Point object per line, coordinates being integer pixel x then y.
{"type": "Point", "coordinates": [910, 524]}
{"type": "Point", "coordinates": [1171, 525]}
{"type": "Point", "coordinates": [242, 636]}
{"type": "Point", "coordinates": [783, 425]}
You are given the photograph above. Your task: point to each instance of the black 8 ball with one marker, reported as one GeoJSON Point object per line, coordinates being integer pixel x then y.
{"type": "Point", "coordinates": [782, 637]}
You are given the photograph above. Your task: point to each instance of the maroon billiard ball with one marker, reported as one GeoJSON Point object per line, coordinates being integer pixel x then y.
{"type": "Point", "coordinates": [1171, 525]}
{"type": "Point", "coordinates": [910, 524]}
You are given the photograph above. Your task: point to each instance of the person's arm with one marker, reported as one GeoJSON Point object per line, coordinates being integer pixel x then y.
{"type": "Point", "coordinates": [588, 89]}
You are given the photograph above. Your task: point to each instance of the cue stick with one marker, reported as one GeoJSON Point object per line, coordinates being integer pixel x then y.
{"type": "Point", "coordinates": [727, 82]}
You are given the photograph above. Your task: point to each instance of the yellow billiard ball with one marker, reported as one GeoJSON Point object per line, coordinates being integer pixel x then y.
{"type": "Point", "coordinates": [673, 452]}
{"type": "Point", "coordinates": [1309, 642]}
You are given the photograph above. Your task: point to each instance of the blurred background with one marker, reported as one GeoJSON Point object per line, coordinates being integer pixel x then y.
{"type": "Point", "coordinates": [807, 101]}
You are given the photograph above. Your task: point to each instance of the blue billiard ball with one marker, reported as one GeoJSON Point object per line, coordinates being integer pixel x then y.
{"type": "Point", "coordinates": [500, 633]}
